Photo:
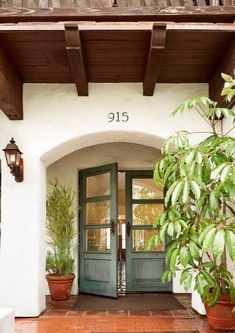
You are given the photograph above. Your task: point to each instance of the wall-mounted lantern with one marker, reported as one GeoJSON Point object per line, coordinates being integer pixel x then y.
{"type": "Point", "coordinates": [14, 160]}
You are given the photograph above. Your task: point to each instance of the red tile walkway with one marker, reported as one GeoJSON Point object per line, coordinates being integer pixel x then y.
{"type": "Point", "coordinates": [60, 318]}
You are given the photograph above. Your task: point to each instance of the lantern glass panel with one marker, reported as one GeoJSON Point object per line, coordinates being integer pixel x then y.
{"type": "Point", "coordinates": [13, 157]}
{"type": "Point", "coordinates": [10, 157]}
{"type": "Point", "coordinates": [17, 158]}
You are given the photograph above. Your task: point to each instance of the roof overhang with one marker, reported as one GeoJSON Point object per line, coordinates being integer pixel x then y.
{"type": "Point", "coordinates": [212, 14]}
{"type": "Point", "coordinates": [83, 52]}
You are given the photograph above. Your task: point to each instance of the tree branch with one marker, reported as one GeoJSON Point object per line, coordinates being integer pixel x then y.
{"type": "Point", "coordinates": [229, 130]}
{"type": "Point", "coordinates": [202, 115]}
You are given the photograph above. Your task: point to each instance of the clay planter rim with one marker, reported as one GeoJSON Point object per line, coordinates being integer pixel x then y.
{"type": "Point", "coordinates": [54, 277]}
{"type": "Point", "coordinates": [224, 299]}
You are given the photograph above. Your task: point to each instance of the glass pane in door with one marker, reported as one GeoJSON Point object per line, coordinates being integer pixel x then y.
{"type": "Point", "coordinates": [144, 214]}
{"type": "Point", "coordinates": [98, 239]}
{"type": "Point", "coordinates": [145, 188]}
{"type": "Point", "coordinates": [98, 212]}
{"type": "Point", "coordinates": [98, 185]}
{"type": "Point", "coordinates": [141, 239]}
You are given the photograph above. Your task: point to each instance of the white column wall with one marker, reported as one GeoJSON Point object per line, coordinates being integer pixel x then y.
{"type": "Point", "coordinates": [22, 255]}
{"type": "Point", "coordinates": [56, 123]}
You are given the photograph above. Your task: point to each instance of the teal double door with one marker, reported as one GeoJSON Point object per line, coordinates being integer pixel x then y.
{"type": "Point", "coordinates": [99, 228]}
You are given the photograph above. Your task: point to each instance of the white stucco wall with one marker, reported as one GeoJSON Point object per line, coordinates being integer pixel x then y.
{"type": "Point", "coordinates": [56, 123]}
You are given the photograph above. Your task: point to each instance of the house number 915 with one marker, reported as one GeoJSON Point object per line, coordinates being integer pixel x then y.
{"type": "Point", "coordinates": [118, 117]}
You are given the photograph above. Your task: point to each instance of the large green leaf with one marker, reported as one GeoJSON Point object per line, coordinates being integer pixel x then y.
{"type": "Point", "coordinates": [171, 246]}
{"type": "Point", "coordinates": [218, 243]}
{"type": "Point", "coordinates": [214, 202]}
{"type": "Point", "coordinates": [169, 192]}
{"type": "Point", "coordinates": [184, 256]}
{"type": "Point", "coordinates": [204, 295]}
{"type": "Point", "coordinates": [225, 172]}
{"type": "Point", "coordinates": [214, 296]}
{"type": "Point", "coordinates": [216, 172]}
{"type": "Point", "coordinates": [209, 238]}
{"type": "Point", "coordinates": [184, 274]}
{"type": "Point", "coordinates": [173, 259]}
{"type": "Point", "coordinates": [189, 157]}
{"type": "Point", "coordinates": [205, 232]}
{"type": "Point", "coordinates": [230, 242]}
{"type": "Point", "coordinates": [194, 250]}
{"type": "Point", "coordinates": [170, 229]}
{"type": "Point", "coordinates": [162, 232]}
{"type": "Point", "coordinates": [185, 196]}
{"type": "Point", "coordinates": [188, 281]}
{"type": "Point", "coordinates": [177, 227]}
{"type": "Point", "coordinates": [196, 189]}
{"type": "Point", "coordinates": [209, 279]}
{"type": "Point", "coordinates": [165, 276]}
{"type": "Point", "coordinates": [199, 283]}
{"type": "Point", "coordinates": [176, 192]}
{"type": "Point", "coordinates": [227, 78]}
{"type": "Point", "coordinates": [193, 102]}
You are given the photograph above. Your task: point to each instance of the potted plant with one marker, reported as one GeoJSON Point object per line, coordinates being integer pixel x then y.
{"type": "Point", "coordinates": [61, 212]}
{"type": "Point", "coordinates": [199, 216]}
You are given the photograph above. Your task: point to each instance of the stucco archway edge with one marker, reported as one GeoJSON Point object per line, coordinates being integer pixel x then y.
{"type": "Point", "coordinates": [92, 139]}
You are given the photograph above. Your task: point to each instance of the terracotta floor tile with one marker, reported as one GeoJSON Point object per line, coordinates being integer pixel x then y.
{"type": "Point", "coordinates": [53, 312]}
{"type": "Point", "coordinates": [140, 313]}
{"type": "Point", "coordinates": [92, 313]}
{"type": "Point", "coordinates": [117, 313]}
{"type": "Point", "coordinates": [76, 313]}
{"type": "Point", "coordinates": [161, 312]}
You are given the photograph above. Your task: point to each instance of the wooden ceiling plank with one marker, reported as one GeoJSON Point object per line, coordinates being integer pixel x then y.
{"type": "Point", "coordinates": [76, 58]}
{"type": "Point", "coordinates": [216, 83]}
{"type": "Point", "coordinates": [157, 48]}
{"type": "Point", "coordinates": [11, 87]}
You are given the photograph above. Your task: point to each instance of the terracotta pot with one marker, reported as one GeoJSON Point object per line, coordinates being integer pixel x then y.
{"type": "Point", "coordinates": [60, 286]}
{"type": "Point", "coordinates": [221, 317]}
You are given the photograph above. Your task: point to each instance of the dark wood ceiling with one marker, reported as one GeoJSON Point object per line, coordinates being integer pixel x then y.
{"type": "Point", "coordinates": [191, 54]}
{"type": "Point", "coordinates": [121, 52]}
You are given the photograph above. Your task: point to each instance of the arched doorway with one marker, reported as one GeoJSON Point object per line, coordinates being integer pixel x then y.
{"type": "Point", "coordinates": [118, 202]}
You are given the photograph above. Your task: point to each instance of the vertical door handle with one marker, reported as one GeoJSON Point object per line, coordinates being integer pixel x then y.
{"type": "Point", "coordinates": [112, 227]}
{"type": "Point", "coordinates": [128, 229]}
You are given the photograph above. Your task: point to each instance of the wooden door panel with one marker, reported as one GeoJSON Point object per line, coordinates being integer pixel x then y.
{"type": "Point", "coordinates": [97, 270]}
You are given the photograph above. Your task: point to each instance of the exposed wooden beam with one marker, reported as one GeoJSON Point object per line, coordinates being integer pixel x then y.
{"type": "Point", "coordinates": [10, 89]}
{"type": "Point", "coordinates": [157, 47]}
{"type": "Point", "coordinates": [76, 58]}
{"type": "Point", "coordinates": [212, 14]}
{"type": "Point", "coordinates": [227, 66]}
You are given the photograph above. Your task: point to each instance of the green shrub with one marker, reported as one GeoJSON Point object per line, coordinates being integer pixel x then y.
{"type": "Point", "coordinates": [61, 212]}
